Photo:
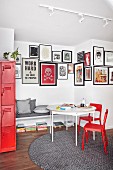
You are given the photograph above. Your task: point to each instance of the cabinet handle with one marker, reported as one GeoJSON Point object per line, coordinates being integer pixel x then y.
{"type": "Point", "coordinates": [7, 67]}
{"type": "Point", "coordinates": [7, 110]}
{"type": "Point", "coordinates": [7, 88]}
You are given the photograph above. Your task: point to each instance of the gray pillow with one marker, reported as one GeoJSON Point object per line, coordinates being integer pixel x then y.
{"type": "Point", "coordinates": [23, 106]}
{"type": "Point", "coordinates": [32, 104]}
{"type": "Point", "coordinates": [41, 109]}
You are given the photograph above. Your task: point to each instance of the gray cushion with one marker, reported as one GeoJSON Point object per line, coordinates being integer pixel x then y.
{"type": "Point", "coordinates": [23, 106]}
{"type": "Point", "coordinates": [32, 104]}
{"type": "Point", "coordinates": [41, 109]}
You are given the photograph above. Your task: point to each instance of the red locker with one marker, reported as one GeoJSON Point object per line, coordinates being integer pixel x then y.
{"type": "Point", "coordinates": [7, 106]}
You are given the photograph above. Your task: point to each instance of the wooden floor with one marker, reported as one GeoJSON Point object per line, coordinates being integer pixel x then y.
{"type": "Point", "coordinates": [19, 159]}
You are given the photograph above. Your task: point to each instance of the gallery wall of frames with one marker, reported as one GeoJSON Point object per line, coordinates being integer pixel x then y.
{"type": "Point", "coordinates": [45, 66]}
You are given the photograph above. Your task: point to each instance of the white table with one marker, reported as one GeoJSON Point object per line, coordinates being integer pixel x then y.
{"type": "Point", "coordinates": [75, 111]}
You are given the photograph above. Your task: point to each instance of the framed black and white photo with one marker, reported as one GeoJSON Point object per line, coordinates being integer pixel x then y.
{"type": "Point", "coordinates": [62, 71]}
{"type": "Point", "coordinates": [80, 56]}
{"type": "Point", "coordinates": [33, 51]}
{"type": "Point", "coordinates": [18, 59]}
{"type": "Point", "coordinates": [30, 70]}
{"type": "Point", "coordinates": [79, 74]}
{"type": "Point", "coordinates": [98, 55]}
{"type": "Point", "coordinates": [88, 73]}
{"type": "Point", "coordinates": [45, 52]}
{"type": "Point", "coordinates": [18, 71]}
{"type": "Point", "coordinates": [108, 58]}
{"type": "Point", "coordinates": [56, 56]}
{"type": "Point", "coordinates": [66, 56]}
{"type": "Point", "coordinates": [100, 75]}
{"type": "Point", "coordinates": [111, 75]}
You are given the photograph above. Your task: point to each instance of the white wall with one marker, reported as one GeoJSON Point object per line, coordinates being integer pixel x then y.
{"type": "Point", "coordinates": [6, 41]}
{"type": "Point", "coordinates": [61, 93]}
{"type": "Point", "coordinates": [96, 93]}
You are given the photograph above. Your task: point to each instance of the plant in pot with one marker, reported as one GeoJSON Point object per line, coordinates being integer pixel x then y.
{"type": "Point", "coordinates": [11, 56]}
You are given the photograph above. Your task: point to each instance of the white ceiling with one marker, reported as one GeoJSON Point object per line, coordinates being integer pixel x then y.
{"type": "Point", "coordinates": [33, 23]}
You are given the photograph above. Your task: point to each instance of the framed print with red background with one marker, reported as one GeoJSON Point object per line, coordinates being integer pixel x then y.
{"type": "Point", "coordinates": [48, 74]}
{"type": "Point", "coordinates": [87, 59]}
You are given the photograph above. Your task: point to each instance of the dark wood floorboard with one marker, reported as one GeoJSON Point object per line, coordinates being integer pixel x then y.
{"type": "Point", "coordinates": [19, 159]}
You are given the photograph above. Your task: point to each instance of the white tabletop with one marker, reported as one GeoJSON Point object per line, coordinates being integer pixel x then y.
{"type": "Point", "coordinates": [71, 111]}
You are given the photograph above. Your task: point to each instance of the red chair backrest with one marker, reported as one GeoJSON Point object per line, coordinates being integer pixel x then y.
{"type": "Point", "coordinates": [105, 118]}
{"type": "Point", "coordinates": [98, 107]}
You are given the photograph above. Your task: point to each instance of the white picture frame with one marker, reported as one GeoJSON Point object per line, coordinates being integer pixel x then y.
{"type": "Point", "coordinates": [62, 71]}
{"type": "Point", "coordinates": [18, 71]}
{"type": "Point", "coordinates": [108, 58]}
{"type": "Point", "coordinates": [98, 56]}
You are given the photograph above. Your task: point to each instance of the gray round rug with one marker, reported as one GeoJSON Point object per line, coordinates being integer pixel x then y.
{"type": "Point", "coordinates": [62, 154]}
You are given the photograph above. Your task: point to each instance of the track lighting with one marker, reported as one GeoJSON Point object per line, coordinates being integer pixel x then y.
{"type": "Point", "coordinates": [105, 22]}
{"type": "Point", "coordinates": [51, 10]}
{"type": "Point", "coordinates": [82, 18]}
{"type": "Point", "coordinates": [82, 15]}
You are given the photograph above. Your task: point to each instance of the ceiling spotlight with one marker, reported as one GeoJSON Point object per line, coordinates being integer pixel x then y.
{"type": "Point", "coordinates": [105, 22]}
{"type": "Point", "coordinates": [51, 11]}
{"type": "Point", "coordinates": [82, 18]}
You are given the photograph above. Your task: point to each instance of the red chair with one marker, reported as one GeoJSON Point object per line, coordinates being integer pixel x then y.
{"type": "Point", "coordinates": [92, 127]}
{"type": "Point", "coordinates": [90, 118]}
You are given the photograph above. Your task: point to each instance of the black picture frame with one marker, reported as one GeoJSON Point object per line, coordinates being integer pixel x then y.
{"type": "Point", "coordinates": [98, 56]}
{"type": "Point", "coordinates": [110, 73]}
{"type": "Point", "coordinates": [30, 70]}
{"type": "Point", "coordinates": [45, 53]}
{"type": "Point", "coordinates": [79, 74]}
{"type": "Point", "coordinates": [66, 56]}
{"type": "Point", "coordinates": [57, 56]}
{"type": "Point", "coordinates": [80, 56]}
{"type": "Point", "coordinates": [48, 74]}
{"type": "Point", "coordinates": [88, 73]}
{"type": "Point", "coordinates": [33, 51]}
{"type": "Point", "coordinates": [62, 71]}
{"type": "Point", "coordinates": [100, 75]}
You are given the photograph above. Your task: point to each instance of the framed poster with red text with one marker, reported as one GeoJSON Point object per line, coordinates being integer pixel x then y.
{"type": "Point", "coordinates": [48, 74]}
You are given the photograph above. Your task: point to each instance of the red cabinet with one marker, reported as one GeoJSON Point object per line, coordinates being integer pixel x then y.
{"type": "Point", "coordinates": [7, 106]}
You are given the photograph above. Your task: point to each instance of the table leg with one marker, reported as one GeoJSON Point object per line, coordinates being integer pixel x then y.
{"type": "Point", "coordinates": [93, 131]}
{"type": "Point", "coordinates": [76, 131]}
{"type": "Point", "coordinates": [52, 127]}
{"type": "Point", "coordinates": [66, 123]}
{"type": "Point", "coordinates": [50, 121]}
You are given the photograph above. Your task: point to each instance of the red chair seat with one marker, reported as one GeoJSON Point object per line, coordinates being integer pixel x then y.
{"type": "Point", "coordinates": [93, 127]}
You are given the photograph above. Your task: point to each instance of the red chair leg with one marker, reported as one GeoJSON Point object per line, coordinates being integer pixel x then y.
{"type": "Point", "coordinates": [86, 136]}
{"type": "Point", "coordinates": [83, 140]}
{"type": "Point", "coordinates": [79, 126]}
{"type": "Point", "coordinates": [104, 142]}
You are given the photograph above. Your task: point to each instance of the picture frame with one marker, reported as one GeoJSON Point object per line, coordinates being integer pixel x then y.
{"type": "Point", "coordinates": [29, 70]}
{"type": "Point", "coordinates": [48, 74]}
{"type": "Point", "coordinates": [88, 73]}
{"type": "Point", "coordinates": [33, 51]}
{"type": "Point", "coordinates": [18, 71]}
{"type": "Point", "coordinates": [87, 59]}
{"type": "Point", "coordinates": [45, 52]}
{"type": "Point", "coordinates": [18, 59]}
{"type": "Point", "coordinates": [70, 68]}
{"type": "Point", "coordinates": [62, 71]}
{"type": "Point", "coordinates": [57, 56]}
{"type": "Point", "coordinates": [110, 70]}
{"type": "Point", "coordinates": [100, 75]}
{"type": "Point", "coordinates": [98, 56]}
{"type": "Point", "coordinates": [80, 56]}
{"type": "Point", "coordinates": [108, 58]}
{"type": "Point", "coordinates": [66, 56]}
{"type": "Point", "coordinates": [79, 74]}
